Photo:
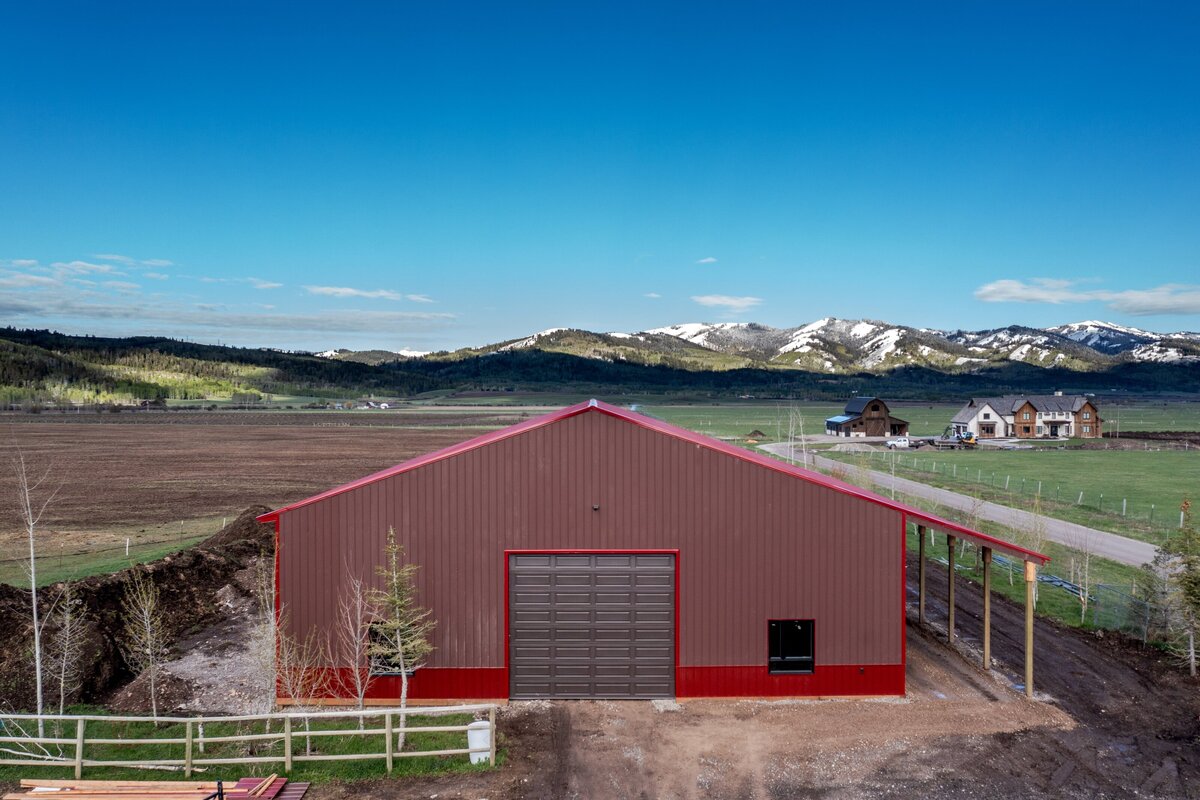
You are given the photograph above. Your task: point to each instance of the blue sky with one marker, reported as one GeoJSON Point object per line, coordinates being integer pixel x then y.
{"type": "Point", "coordinates": [432, 175]}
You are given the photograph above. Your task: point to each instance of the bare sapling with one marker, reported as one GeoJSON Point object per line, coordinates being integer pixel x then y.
{"type": "Point", "coordinates": [355, 613]}
{"type": "Point", "coordinates": [36, 490]}
{"type": "Point", "coordinates": [400, 634]}
{"type": "Point", "coordinates": [65, 650]}
{"type": "Point", "coordinates": [1034, 537]}
{"type": "Point", "coordinates": [144, 643]}
{"type": "Point", "coordinates": [301, 671]}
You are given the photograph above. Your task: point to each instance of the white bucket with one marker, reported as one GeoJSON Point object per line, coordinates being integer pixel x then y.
{"type": "Point", "coordinates": [479, 738]}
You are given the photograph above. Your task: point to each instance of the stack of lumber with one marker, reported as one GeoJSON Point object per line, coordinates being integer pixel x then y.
{"type": "Point", "coordinates": [270, 788]}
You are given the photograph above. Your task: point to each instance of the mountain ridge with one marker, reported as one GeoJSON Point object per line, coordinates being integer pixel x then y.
{"type": "Point", "coordinates": [839, 346]}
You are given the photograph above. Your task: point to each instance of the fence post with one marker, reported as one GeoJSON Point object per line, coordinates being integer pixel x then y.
{"type": "Point", "coordinates": [492, 738]}
{"type": "Point", "coordinates": [187, 750]}
{"type": "Point", "coordinates": [287, 743]}
{"type": "Point", "coordinates": [1124, 501]}
{"type": "Point", "coordinates": [387, 731]}
{"type": "Point", "coordinates": [79, 724]}
{"type": "Point", "coordinates": [1006, 477]}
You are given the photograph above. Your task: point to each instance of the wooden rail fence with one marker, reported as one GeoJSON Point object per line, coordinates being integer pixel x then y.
{"type": "Point", "coordinates": [292, 726]}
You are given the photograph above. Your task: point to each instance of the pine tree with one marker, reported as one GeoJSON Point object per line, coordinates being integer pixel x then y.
{"type": "Point", "coordinates": [1184, 546]}
{"type": "Point", "coordinates": [400, 634]}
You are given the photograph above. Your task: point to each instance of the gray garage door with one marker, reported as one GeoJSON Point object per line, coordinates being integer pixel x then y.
{"type": "Point", "coordinates": [591, 625]}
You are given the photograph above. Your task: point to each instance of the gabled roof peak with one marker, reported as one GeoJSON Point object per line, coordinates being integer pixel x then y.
{"type": "Point", "coordinates": [594, 406]}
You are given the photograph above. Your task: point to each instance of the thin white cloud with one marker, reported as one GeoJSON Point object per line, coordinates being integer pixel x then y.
{"type": "Point", "coordinates": [652, 295]}
{"type": "Point", "coordinates": [21, 263]}
{"type": "Point", "coordinates": [1170, 298]}
{"type": "Point", "coordinates": [419, 298]}
{"type": "Point", "coordinates": [122, 286]}
{"type": "Point", "coordinates": [134, 262]}
{"type": "Point", "coordinates": [43, 308]}
{"type": "Point", "coordinates": [156, 276]}
{"type": "Point", "coordinates": [257, 283]}
{"type": "Point", "coordinates": [734, 305]}
{"type": "Point", "coordinates": [709, 260]}
{"type": "Point", "coordinates": [346, 291]}
{"type": "Point", "coordinates": [83, 268]}
{"type": "Point", "coordinates": [113, 257]}
{"type": "Point", "coordinates": [21, 280]}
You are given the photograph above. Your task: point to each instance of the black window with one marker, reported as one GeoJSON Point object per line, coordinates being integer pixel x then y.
{"type": "Point", "coordinates": [875, 407]}
{"type": "Point", "coordinates": [791, 645]}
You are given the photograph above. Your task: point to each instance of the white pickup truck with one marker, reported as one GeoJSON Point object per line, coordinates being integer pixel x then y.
{"type": "Point", "coordinates": [903, 443]}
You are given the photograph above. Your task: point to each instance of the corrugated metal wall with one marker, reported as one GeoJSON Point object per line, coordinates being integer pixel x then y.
{"type": "Point", "coordinates": [754, 544]}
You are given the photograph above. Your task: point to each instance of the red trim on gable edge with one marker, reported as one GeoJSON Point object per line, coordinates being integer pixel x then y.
{"type": "Point", "coordinates": [679, 433]}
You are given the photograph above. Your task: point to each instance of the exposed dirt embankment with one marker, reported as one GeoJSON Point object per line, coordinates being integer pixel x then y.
{"type": "Point", "coordinates": [195, 585]}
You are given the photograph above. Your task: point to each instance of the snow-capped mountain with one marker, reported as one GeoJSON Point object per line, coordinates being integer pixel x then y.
{"type": "Point", "coordinates": [834, 345]}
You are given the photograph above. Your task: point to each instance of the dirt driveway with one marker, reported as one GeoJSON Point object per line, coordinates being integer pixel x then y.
{"type": "Point", "coordinates": [744, 749]}
{"type": "Point", "coordinates": [1116, 721]}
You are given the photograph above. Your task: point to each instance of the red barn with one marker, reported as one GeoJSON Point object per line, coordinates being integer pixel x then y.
{"type": "Point", "coordinates": [596, 552]}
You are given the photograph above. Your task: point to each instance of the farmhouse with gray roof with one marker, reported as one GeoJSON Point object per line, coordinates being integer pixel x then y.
{"type": "Point", "coordinates": [1050, 416]}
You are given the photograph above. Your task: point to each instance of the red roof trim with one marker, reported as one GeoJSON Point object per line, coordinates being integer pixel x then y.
{"type": "Point", "coordinates": [678, 433]}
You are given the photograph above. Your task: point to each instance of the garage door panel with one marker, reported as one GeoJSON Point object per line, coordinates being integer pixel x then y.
{"type": "Point", "coordinates": [605, 627]}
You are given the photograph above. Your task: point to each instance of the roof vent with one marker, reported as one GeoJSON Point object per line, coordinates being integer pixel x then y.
{"type": "Point", "coordinates": [1056, 394]}
{"type": "Point", "coordinates": [593, 403]}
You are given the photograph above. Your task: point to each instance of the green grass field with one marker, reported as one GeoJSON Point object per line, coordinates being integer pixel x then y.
{"type": "Point", "coordinates": [317, 771]}
{"type": "Point", "coordinates": [1111, 482]}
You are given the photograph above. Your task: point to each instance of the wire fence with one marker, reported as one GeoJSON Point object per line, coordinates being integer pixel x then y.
{"type": "Point", "coordinates": [1113, 608]}
{"type": "Point", "coordinates": [1022, 489]}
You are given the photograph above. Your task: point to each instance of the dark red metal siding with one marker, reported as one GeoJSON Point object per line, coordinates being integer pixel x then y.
{"type": "Point", "coordinates": [754, 544]}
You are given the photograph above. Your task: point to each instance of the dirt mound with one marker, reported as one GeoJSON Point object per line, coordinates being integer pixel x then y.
{"type": "Point", "coordinates": [197, 586]}
{"type": "Point", "coordinates": [244, 532]}
{"type": "Point", "coordinates": [171, 691]}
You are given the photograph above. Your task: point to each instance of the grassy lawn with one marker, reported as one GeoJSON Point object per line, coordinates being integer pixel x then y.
{"type": "Point", "coordinates": [1175, 415]}
{"type": "Point", "coordinates": [75, 554]}
{"type": "Point", "coordinates": [318, 771]}
{"type": "Point", "coordinates": [1107, 479]}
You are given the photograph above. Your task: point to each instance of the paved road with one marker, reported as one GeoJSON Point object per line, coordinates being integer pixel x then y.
{"type": "Point", "coordinates": [1103, 543]}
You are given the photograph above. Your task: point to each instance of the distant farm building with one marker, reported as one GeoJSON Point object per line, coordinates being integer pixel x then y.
{"type": "Point", "coordinates": [866, 416]}
{"type": "Point", "coordinates": [1029, 417]}
{"type": "Point", "coordinates": [598, 553]}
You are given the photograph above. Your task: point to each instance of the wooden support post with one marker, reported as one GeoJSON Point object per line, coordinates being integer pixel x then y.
{"type": "Point", "coordinates": [987, 608]}
{"type": "Point", "coordinates": [391, 740]}
{"type": "Point", "coordinates": [492, 737]}
{"type": "Point", "coordinates": [79, 748]}
{"type": "Point", "coordinates": [187, 749]}
{"type": "Point", "coordinates": [1030, 584]}
{"type": "Point", "coordinates": [950, 591]}
{"type": "Point", "coordinates": [921, 574]}
{"type": "Point", "coordinates": [287, 743]}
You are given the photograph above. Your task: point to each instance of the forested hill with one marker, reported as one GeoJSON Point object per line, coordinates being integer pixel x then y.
{"type": "Point", "coordinates": [46, 366]}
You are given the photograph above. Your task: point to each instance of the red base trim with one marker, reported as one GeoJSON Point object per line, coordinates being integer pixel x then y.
{"type": "Point", "coordinates": [428, 683]}
{"type": "Point", "coordinates": [827, 681]}
{"type": "Point", "coordinates": [490, 683]}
